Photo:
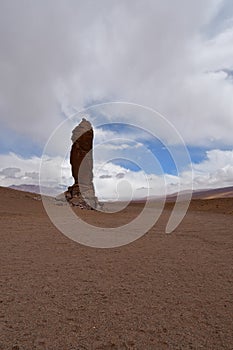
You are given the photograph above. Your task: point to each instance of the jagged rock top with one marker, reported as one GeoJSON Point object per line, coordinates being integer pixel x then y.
{"type": "Point", "coordinates": [81, 129]}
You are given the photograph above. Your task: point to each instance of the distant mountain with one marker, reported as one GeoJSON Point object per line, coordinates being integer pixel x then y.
{"type": "Point", "coordinates": [224, 192]}
{"type": "Point", "coordinates": [49, 191]}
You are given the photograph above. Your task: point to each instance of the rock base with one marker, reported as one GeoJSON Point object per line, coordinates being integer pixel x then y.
{"type": "Point", "coordinates": [82, 196]}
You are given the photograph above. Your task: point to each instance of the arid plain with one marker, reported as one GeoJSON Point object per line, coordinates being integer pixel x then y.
{"type": "Point", "coordinates": [163, 291]}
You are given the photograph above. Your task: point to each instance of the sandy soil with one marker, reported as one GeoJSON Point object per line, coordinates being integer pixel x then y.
{"type": "Point", "coordinates": [160, 292]}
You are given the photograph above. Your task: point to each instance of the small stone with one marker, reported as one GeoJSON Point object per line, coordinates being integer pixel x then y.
{"type": "Point", "coordinates": [15, 347]}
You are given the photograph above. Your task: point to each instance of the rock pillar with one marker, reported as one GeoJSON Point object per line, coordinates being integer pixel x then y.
{"type": "Point", "coordinates": [82, 193]}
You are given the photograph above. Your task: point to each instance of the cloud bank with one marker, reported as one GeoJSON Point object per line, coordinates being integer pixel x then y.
{"type": "Point", "coordinates": [116, 182]}
{"type": "Point", "coordinates": [59, 56]}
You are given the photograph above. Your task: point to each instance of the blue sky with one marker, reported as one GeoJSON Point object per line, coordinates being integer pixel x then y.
{"type": "Point", "coordinates": [151, 143]}
{"type": "Point", "coordinates": [12, 141]}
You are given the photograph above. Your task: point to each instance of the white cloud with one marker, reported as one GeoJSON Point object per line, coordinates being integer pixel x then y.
{"type": "Point", "coordinates": [215, 171]}
{"type": "Point", "coordinates": [17, 175]}
{"type": "Point", "coordinates": [115, 182]}
{"type": "Point", "coordinates": [9, 172]}
{"type": "Point", "coordinates": [58, 55]}
{"type": "Point", "coordinates": [27, 171]}
{"type": "Point", "coordinates": [116, 146]}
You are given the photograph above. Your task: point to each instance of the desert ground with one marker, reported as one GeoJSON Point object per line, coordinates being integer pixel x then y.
{"type": "Point", "coordinates": [163, 291]}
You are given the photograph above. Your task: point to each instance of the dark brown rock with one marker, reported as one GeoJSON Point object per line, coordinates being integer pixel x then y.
{"type": "Point", "coordinates": [82, 193]}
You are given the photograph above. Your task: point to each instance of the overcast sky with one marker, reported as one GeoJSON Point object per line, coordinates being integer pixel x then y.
{"type": "Point", "coordinates": [58, 57]}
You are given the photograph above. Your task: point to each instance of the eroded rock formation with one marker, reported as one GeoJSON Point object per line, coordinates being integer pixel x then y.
{"type": "Point", "coordinates": [82, 193]}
